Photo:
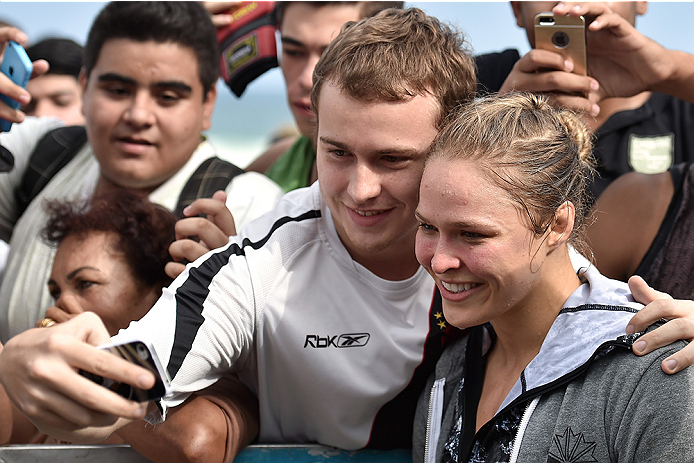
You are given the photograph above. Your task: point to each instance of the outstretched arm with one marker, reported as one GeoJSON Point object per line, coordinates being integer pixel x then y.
{"type": "Point", "coordinates": [39, 371]}
{"type": "Point", "coordinates": [213, 425]}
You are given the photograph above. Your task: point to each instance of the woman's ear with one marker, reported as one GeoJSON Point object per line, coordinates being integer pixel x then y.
{"type": "Point", "coordinates": [562, 225]}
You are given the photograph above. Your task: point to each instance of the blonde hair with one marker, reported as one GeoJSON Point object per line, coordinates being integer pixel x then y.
{"type": "Point", "coordinates": [540, 155]}
{"type": "Point", "coordinates": [395, 55]}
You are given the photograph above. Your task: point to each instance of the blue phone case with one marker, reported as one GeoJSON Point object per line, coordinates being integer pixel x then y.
{"type": "Point", "coordinates": [17, 66]}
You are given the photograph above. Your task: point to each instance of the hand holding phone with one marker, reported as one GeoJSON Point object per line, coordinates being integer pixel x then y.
{"type": "Point", "coordinates": [565, 35]}
{"type": "Point", "coordinates": [17, 66]}
{"type": "Point", "coordinates": [140, 353]}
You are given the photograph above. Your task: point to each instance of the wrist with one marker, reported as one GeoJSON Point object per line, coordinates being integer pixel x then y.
{"type": "Point", "coordinates": [677, 73]}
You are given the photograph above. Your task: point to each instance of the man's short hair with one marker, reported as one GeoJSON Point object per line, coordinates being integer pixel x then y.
{"type": "Point", "coordinates": [367, 8]}
{"type": "Point", "coordinates": [64, 55]}
{"type": "Point", "coordinates": [395, 55]}
{"type": "Point", "coordinates": [184, 23]}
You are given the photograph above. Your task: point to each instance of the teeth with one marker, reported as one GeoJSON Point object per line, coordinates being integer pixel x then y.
{"type": "Point", "coordinates": [458, 288]}
{"type": "Point", "coordinates": [367, 213]}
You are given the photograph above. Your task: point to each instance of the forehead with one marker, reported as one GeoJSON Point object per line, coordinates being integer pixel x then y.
{"type": "Point", "coordinates": [625, 9]}
{"type": "Point", "coordinates": [148, 61]}
{"type": "Point", "coordinates": [49, 83]}
{"type": "Point", "coordinates": [368, 126]}
{"type": "Point", "coordinates": [454, 187]}
{"type": "Point", "coordinates": [317, 25]}
{"type": "Point", "coordinates": [92, 246]}
{"type": "Point", "coordinates": [530, 9]}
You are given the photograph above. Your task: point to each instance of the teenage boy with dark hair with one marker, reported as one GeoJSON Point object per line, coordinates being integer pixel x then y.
{"type": "Point", "coordinates": [149, 90]}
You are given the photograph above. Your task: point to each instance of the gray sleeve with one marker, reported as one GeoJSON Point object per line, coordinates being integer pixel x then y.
{"type": "Point", "coordinates": [658, 421]}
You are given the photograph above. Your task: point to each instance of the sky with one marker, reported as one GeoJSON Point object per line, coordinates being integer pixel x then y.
{"type": "Point", "coordinates": [242, 126]}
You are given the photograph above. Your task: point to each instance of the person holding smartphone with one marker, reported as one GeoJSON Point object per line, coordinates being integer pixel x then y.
{"type": "Point", "coordinates": [639, 102]}
{"type": "Point", "coordinates": [294, 274]}
{"type": "Point", "coordinates": [110, 258]}
{"type": "Point", "coordinates": [637, 97]}
{"type": "Point", "coordinates": [103, 258]}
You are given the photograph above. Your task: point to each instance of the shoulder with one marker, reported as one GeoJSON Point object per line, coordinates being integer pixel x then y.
{"type": "Point", "coordinates": [635, 194]}
{"type": "Point", "coordinates": [250, 195]}
{"type": "Point", "coordinates": [635, 187]}
{"type": "Point", "coordinates": [639, 376]}
{"type": "Point", "coordinates": [633, 202]}
{"type": "Point", "coordinates": [263, 162]}
{"type": "Point", "coordinates": [493, 68]}
{"type": "Point", "coordinates": [298, 209]}
{"type": "Point", "coordinates": [22, 138]}
{"type": "Point", "coordinates": [255, 183]}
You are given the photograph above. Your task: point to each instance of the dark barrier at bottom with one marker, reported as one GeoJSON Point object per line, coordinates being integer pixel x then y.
{"type": "Point", "coordinates": [253, 454]}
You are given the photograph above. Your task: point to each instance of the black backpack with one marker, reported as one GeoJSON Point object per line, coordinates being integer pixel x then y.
{"type": "Point", "coordinates": [59, 146]}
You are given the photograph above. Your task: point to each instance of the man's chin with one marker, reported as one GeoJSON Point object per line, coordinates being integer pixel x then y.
{"type": "Point", "coordinates": [134, 181]}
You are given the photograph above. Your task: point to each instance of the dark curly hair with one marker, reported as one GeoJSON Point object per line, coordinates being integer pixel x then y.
{"type": "Point", "coordinates": [144, 229]}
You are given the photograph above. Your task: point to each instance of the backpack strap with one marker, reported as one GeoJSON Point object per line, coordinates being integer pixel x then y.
{"type": "Point", "coordinates": [51, 154]}
{"type": "Point", "coordinates": [212, 175]}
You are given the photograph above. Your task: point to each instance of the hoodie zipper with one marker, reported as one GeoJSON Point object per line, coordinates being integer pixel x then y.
{"type": "Point", "coordinates": [521, 429]}
{"type": "Point", "coordinates": [434, 417]}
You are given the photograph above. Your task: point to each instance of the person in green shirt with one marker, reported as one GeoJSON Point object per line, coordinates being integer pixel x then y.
{"type": "Point", "coordinates": [306, 29]}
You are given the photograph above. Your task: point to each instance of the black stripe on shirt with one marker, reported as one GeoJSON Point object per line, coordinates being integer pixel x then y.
{"type": "Point", "coordinates": [191, 295]}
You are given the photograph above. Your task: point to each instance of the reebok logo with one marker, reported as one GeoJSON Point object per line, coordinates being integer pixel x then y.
{"type": "Point", "coordinates": [339, 341]}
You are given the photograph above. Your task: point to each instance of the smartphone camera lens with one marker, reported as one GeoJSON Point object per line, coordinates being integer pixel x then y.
{"type": "Point", "coordinates": [141, 352]}
{"type": "Point", "coordinates": [560, 39]}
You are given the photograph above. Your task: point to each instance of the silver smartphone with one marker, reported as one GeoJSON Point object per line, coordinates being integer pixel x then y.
{"type": "Point", "coordinates": [565, 35]}
{"type": "Point", "coordinates": [140, 353]}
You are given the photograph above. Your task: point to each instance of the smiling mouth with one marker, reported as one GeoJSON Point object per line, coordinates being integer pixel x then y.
{"type": "Point", "coordinates": [368, 213]}
{"type": "Point", "coordinates": [458, 288]}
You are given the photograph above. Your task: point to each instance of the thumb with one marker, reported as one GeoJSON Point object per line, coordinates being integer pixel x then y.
{"type": "Point", "coordinates": [644, 293]}
{"type": "Point", "coordinates": [220, 195]}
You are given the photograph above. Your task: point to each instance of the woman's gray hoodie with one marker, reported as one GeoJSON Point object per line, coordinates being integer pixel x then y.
{"type": "Point", "coordinates": [586, 396]}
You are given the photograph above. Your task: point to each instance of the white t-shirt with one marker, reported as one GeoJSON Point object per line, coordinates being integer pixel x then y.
{"type": "Point", "coordinates": [323, 342]}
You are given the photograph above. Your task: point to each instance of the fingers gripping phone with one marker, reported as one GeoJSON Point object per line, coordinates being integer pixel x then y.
{"type": "Point", "coordinates": [17, 66]}
{"type": "Point", "coordinates": [142, 354]}
{"type": "Point", "coordinates": [565, 35]}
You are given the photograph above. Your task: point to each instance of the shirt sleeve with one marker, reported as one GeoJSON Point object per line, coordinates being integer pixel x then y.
{"type": "Point", "coordinates": [20, 141]}
{"type": "Point", "coordinates": [203, 325]}
{"type": "Point", "coordinates": [250, 195]}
